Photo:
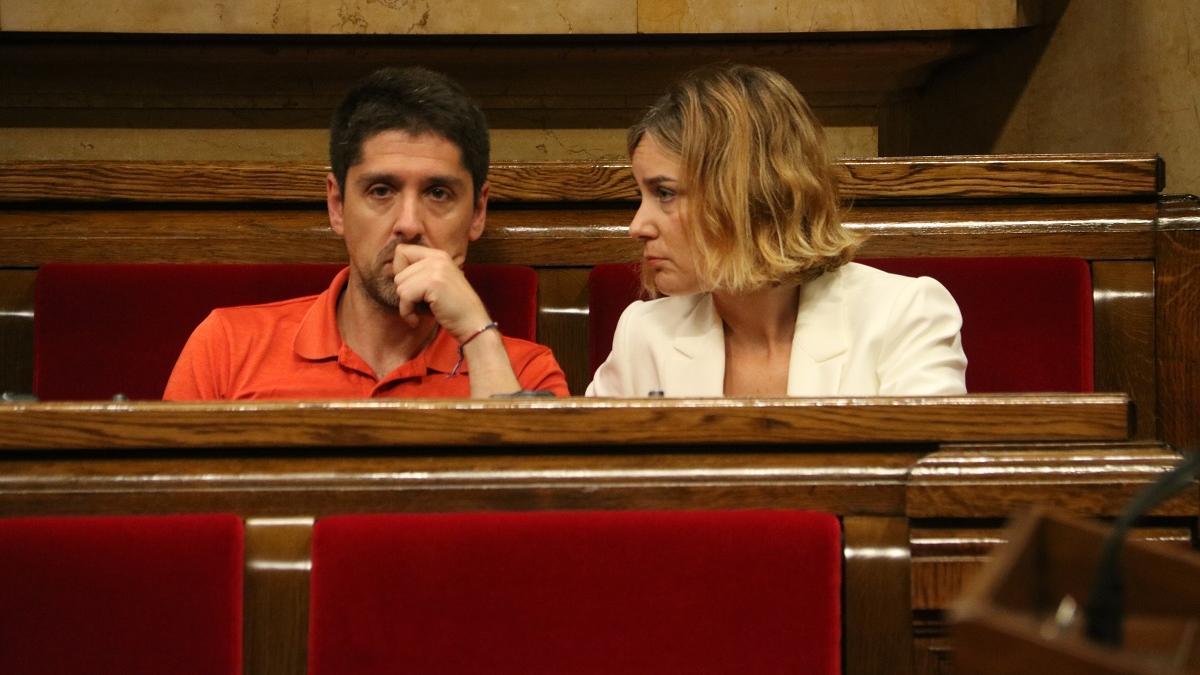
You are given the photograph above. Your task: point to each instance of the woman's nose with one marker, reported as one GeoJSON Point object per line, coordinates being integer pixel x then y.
{"type": "Point", "coordinates": [642, 227]}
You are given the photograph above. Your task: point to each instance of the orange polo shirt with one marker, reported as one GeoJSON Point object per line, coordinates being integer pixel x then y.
{"type": "Point", "coordinates": [292, 349]}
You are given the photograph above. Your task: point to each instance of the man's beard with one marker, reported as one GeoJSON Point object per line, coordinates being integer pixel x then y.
{"type": "Point", "coordinates": [381, 286]}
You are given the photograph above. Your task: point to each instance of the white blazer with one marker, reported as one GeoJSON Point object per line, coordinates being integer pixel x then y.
{"type": "Point", "coordinates": [859, 332]}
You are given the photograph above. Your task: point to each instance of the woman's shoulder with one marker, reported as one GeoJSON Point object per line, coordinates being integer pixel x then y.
{"type": "Point", "coordinates": [867, 275]}
{"type": "Point", "coordinates": [867, 289]}
{"type": "Point", "coordinates": [872, 281]}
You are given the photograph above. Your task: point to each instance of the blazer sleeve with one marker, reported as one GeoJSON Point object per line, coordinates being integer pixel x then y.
{"type": "Point", "coordinates": [922, 354]}
{"type": "Point", "coordinates": [615, 377]}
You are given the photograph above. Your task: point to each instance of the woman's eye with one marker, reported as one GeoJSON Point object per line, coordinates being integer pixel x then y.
{"type": "Point", "coordinates": [664, 195]}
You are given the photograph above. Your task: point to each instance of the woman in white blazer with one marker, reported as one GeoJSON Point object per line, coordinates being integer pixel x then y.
{"type": "Point", "coordinates": [740, 232]}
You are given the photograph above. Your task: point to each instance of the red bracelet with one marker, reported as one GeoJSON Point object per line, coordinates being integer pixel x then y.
{"type": "Point", "coordinates": [462, 345]}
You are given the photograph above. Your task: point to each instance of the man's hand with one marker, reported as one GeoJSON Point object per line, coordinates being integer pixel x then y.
{"type": "Point", "coordinates": [428, 277]}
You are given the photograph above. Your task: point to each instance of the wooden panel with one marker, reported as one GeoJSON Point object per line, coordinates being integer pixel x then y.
{"type": "Point", "coordinates": [992, 176]}
{"type": "Point", "coordinates": [962, 482]}
{"type": "Point", "coordinates": [877, 596]}
{"type": "Point", "coordinates": [329, 481]}
{"type": "Point", "coordinates": [563, 322]}
{"type": "Point", "coordinates": [278, 561]}
{"type": "Point", "coordinates": [16, 331]}
{"type": "Point", "coordinates": [945, 559]}
{"type": "Point", "coordinates": [557, 237]}
{"type": "Point", "coordinates": [576, 422]}
{"type": "Point", "coordinates": [1123, 301]}
{"type": "Point", "coordinates": [301, 74]}
{"type": "Point", "coordinates": [1177, 289]}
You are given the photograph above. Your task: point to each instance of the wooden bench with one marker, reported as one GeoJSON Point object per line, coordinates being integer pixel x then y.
{"type": "Point", "coordinates": [918, 513]}
{"type": "Point", "coordinates": [562, 218]}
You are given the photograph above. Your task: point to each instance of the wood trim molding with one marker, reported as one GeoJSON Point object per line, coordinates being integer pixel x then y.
{"type": "Point", "coordinates": [573, 422]}
{"type": "Point", "coordinates": [976, 176]}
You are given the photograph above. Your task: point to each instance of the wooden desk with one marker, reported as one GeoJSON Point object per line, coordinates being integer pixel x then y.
{"type": "Point", "coordinates": [530, 425]}
{"type": "Point", "coordinates": [910, 511]}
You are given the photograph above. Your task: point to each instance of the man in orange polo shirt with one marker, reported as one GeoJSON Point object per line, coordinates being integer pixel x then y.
{"type": "Point", "coordinates": [408, 193]}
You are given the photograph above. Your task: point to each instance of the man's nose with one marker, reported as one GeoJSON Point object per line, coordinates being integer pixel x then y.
{"type": "Point", "coordinates": [408, 219]}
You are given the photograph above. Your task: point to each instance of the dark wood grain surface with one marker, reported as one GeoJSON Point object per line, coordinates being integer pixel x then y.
{"type": "Point", "coordinates": [877, 574]}
{"type": "Point", "coordinates": [994, 482]}
{"type": "Point", "coordinates": [540, 423]}
{"type": "Point", "coordinates": [990, 176]}
{"type": "Point", "coordinates": [1177, 329]}
{"type": "Point", "coordinates": [556, 237]}
{"type": "Point", "coordinates": [1123, 340]}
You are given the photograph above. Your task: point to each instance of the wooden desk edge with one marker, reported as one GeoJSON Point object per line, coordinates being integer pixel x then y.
{"type": "Point", "coordinates": [565, 422]}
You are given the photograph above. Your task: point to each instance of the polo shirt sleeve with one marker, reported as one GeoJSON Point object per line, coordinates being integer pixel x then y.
{"type": "Point", "coordinates": [537, 370]}
{"type": "Point", "coordinates": [203, 365]}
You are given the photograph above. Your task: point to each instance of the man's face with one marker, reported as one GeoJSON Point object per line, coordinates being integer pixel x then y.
{"type": "Point", "coordinates": [410, 189]}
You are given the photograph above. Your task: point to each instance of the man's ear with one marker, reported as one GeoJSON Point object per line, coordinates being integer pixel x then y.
{"type": "Point", "coordinates": [479, 218]}
{"type": "Point", "coordinates": [334, 202]}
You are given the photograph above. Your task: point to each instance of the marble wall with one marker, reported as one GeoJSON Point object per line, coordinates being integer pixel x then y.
{"type": "Point", "coordinates": [1092, 76]}
{"type": "Point", "coordinates": [1100, 76]}
{"type": "Point", "coordinates": [508, 17]}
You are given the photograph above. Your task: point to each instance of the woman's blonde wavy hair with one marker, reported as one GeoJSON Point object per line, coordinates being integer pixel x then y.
{"type": "Point", "coordinates": [761, 196]}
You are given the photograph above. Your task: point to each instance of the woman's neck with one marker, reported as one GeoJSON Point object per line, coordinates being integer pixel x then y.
{"type": "Point", "coordinates": [760, 318]}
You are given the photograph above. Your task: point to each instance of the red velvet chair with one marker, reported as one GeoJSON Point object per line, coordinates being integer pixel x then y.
{"type": "Point", "coordinates": [577, 592]}
{"type": "Point", "coordinates": [122, 595]}
{"type": "Point", "coordinates": [1027, 322]}
{"type": "Point", "coordinates": [101, 330]}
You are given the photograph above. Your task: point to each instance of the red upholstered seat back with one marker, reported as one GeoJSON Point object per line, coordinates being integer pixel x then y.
{"type": "Point", "coordinates": [611, 288]}
{"type": "Point", "coordinates": [124, 595]}
{"type": "Point", "coordinates": [577, 592]}
{"type": "Point", "coordinates": [101, 330]}
{"type": "Point", "coordinates": [1027, 322]}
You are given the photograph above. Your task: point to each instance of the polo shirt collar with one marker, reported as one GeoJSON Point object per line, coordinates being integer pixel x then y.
{"type": "Point", "coordinates": [318, 337]}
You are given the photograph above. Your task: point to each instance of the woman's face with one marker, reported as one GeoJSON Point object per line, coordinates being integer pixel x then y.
{"type": "Point", "coordinates": [660, 220]}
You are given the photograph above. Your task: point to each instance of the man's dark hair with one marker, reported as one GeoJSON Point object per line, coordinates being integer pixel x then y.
{"type": "Point", "coordinates": [413, 99]}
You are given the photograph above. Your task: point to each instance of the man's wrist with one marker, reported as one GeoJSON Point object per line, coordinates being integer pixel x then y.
{"type": "Point", "coordinates": [478, 337]}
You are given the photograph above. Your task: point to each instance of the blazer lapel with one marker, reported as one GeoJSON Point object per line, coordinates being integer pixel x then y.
{"type": "Point", "coordinates": [821, 338]}
{"type": "Point", "coordinates": [697, 357]}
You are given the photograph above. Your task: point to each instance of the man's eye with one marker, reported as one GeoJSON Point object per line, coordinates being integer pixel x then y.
{"type": "Point", "coordinates": [439, 193]}
{"type": "Point", "coordinates": [380, 191]}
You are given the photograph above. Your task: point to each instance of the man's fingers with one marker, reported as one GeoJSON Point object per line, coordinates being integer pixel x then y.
{"type": "Point", "coordinates": [412, 253]}
{"type": "Point", "coordinates": [408, 307]}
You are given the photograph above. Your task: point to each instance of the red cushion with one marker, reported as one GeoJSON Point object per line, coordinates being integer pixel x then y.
{"type": "Point", "coordinates": [121, 595]}
{"type": "Point", "coordinates": [101, 330]}
{"type": "Point", "coordinates": [1027, 322]}
{"type": "Point", "coordinates": [611, 288]}
{"type": "Point", "coordinates": [577, 592]}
